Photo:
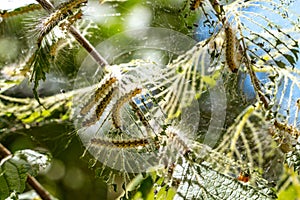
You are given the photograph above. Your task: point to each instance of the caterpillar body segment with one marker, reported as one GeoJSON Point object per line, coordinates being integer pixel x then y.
{"type": "Point", "coordinates": [62, 12]}
{"type": "Point", "coordinates": [71, 20]}
{"type": "Point", "coordinates": [174, 145]}
{"type": "Point", "coordinates": [231, 49]}
{"type": "Point", "coordinates": [99, 109]}
{"type": "Point", "coordinates": [195, 4]}
{"type": "Point", "coordinates": [174, 135]}
{"type": "Point", "coordinates": [99, 94]}
{"type": "Point", "coordinates": [116, 115]}
{"type": "Point", "coordinates": [69, 5]}
{"type": "Point", "coordinates": [19, 11]}
{"type": "Point", "coordinates": [127, 155]}
{"type": "Point", "coordinates": [139, 114]}
{"type": "Point", "coordinates": [130, 143]}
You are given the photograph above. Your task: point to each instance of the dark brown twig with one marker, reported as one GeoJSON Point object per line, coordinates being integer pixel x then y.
{"type": "Point", "coordinates": [44, 194]}
{"type": "Point", "coordinates": [4, 152]}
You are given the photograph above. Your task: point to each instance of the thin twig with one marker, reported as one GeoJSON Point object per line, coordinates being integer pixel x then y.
{"type": "Point", "coordinates": [78, 36]}
{"type": "Point", "coordinates": [88, 46]}
{"type": "Point", "coordinates": [44, 194]}
{"type": "Point", "coordinates": [4, 152]}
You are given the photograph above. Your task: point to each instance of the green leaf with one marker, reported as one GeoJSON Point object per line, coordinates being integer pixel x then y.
{"type": "Point", "coordinates": [37, 161]}
{"type": "Point", "coordinates": [13, 176]}
{"type": "Point", "coordinates": [15, 169]}
{"type": "Point", "coordinates": [200, 181]}
{"type": "Point", "coordinates": [41, 66]}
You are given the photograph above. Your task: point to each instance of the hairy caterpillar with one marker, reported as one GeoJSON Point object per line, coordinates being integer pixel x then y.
{"type": "Point", "coordinates": [71, 20]}
{"type": "Point", "coordinates": [230, 50]}
{"type": "Point", "coordinates": [116, 118]}
{"type": "Point", "coordinates": [20, 11]}
{"type": "Point", "coordinates": [195, 4]}
{"type": "Point", "coordinates": [288, 128]}
{"type": "Point", "coordinates": [71, 4]}
{"type": "Point", "coordinates": [57, 46]}
{"type": "Point", "coordinates": [131, 143]}
{"type": "Point", "coordinates": [106, 87]}
{"type": "Point", "coordinates": [125, 155]}
{"type": "Point", "coordinates": [173, 134]}
{"type": "Point", "coordinates": [63, 11]}
{"type": "Point", "coordinates": [139, 114]}
{"type": "Point", "coordinates": [100, 109]}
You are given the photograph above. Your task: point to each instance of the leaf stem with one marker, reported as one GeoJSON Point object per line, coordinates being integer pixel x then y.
{"type": "Point", "coordinates": [44, 194]}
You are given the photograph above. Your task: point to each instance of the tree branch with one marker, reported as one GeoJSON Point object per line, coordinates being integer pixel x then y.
{"type": "Point", "coordinates": [44, 194]}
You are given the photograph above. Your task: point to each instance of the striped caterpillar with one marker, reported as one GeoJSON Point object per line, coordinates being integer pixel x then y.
{"type": "Point", "coordinates": [116, 118]}
{"type": "Point", "coordinates": [131, 143]}
{"type": "Point", "coordinates": [139, 114]}
{"type": "Point", "coordinates": [195, 4]}
{"type": "Point", "coordinates": [20, 11]}
{"type": "Point", "coordinates": [63, 11]}
{"type": "Point", "coordinates": [173, 134]}
{"type": "Point", "coordinates": [71, 20]}
{"type": "Point", "coordinates": [100, 109]}
{"type": "Point", "coordinates": [57, 46]}
{"type": "Point", "coordinates": [71, 4]}
{"type": "Point", "coordinates": [125, 155]}
{"type": "Point", "coordinates": [105, 88]}
{"type": "Point", "coordinates": [230, 49]}
{"type": "Point", "coordinates": [173, 148]}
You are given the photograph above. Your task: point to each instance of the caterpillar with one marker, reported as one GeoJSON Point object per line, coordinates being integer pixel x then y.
{"type": "Point", "coordinates": [230, 49]}
{"type": "Point", "coordinates": [131, 143]}
{"type": "Point", "coordinates": [71, 20]}
{"type": "Point", "coordinates": [139, 114]}
{"type": "Point", "coordinates": [106, 87]}
{"type": "Point", "coordinates": [288, 128]}
{"type": "Point", "coordinates": [173, 134]}
{"type": "Point", "coordinates": [57, 46]}
{"type": "Point", "coordinates": [116, 118]}
{"type": "Point", "coordinates": [20, 11]}
{"type": "Point", "coordinates": [100, 109]}
{"type": "Point", "coordinates": [125, 155]}
{"type": "Point", "coordinates": [71, 4]}
{"type": "Point", "coordinates": [63, 11]}
{"type": "Point", "coordinates": [195, 4]}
